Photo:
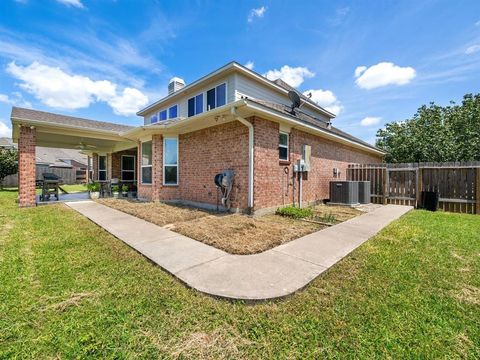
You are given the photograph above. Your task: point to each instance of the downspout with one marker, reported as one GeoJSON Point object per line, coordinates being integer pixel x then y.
{"type": "Point", "coordinates": [248, 124]}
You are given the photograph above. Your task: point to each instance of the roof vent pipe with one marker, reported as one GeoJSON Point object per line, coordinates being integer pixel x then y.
{"type": "Point", "coordinates": [175, 84]}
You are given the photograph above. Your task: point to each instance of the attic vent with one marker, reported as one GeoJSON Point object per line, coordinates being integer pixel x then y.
{"type": "Point", "coordinates": [175, 84]}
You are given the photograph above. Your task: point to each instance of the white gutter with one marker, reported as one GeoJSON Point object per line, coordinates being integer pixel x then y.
{"type": "Point", "coordinates": [249, 125]}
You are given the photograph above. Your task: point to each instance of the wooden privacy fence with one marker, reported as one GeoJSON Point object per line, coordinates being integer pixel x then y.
{"type": "Point", "coordinates": [458, 183]}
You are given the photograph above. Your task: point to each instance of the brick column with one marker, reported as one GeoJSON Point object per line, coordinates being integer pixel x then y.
{"type": "Point", "coordinates": [95, 167]}
{"type": "Point", "coordinates": [157, 166]}
{"type": "Point", "coordinates": [109, 166]}
{"type": "Point", "coordinates": [26, 166]}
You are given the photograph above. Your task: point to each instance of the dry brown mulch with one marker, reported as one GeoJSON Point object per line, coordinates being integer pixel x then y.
{"type": "Point", "coordinates": [233, 233]}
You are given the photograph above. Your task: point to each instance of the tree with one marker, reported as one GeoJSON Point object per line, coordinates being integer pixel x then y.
{"type": "Point", "coordinates": [8, 163]}
{"type": "Point", "coordinates": [435, 133]}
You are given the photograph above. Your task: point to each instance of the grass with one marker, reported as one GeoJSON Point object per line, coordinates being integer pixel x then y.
{"type": "Point", "coordinates": [71, 290]}
{"type": "Point", "coordinates": [74, 188]}
{"type": "Point", "coordinates": [233, 233]}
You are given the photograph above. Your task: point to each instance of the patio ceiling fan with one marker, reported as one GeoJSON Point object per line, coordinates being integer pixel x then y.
{"type": "Point", "coordinates": [82, 146]}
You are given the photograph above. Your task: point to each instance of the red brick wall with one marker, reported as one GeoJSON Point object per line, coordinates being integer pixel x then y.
{"type": "Point", "coordinates": [116, 160]}
{"type": "Point", "coordinates": [202, 155]}
{"type": "Point", "coordinates": [26, 166]}
{"type": "Point", "coordinates": [272, 187]}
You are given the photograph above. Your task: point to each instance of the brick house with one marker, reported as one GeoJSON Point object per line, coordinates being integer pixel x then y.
{"type": "Point", "coordinates": [231, 119]}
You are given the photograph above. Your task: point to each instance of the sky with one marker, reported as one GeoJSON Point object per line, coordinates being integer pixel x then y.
{"type": "Point", "coordinates": [369, 62]}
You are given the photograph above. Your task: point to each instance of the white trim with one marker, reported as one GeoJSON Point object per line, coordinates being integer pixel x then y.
{"type": "Point", "coordinates": [145, 166]}
{"type": "Point", "coordinates": [122, 170]}
{"type": "Point", "coordinates": [163, 160]}
{"type": "Point", "coordinates": [284, 146]}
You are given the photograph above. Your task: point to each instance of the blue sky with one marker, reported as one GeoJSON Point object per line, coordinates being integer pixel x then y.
{"type": "Point", "coordinates": [371, 62]}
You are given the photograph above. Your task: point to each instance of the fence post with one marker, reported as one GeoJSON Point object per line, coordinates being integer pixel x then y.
{"type": "Point", "coordinates": [385, 186]}
{"type": "Point", "coordinates": [419, 185]}
{"type": "Point", "coordinates": [477, 191]}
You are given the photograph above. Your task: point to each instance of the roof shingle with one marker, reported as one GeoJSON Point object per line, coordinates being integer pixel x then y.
{"type": "Point", "coordinates": [29, 114]}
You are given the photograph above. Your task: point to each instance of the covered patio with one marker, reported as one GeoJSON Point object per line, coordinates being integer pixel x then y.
{"type": "Point", "coordinates": [110, 155]}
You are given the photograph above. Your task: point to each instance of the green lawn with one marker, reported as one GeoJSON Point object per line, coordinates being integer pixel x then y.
{"type": "Point", "coordinates": [70, 290]}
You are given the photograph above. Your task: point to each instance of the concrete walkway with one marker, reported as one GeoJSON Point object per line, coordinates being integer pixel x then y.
{"type": "Point", "coordinates": [272, 274]}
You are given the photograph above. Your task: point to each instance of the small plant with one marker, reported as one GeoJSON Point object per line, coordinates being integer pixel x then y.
{"type": "Point", "coordinates": [93, 187]}
{"type": "Point", "coordinates": [327, 218]}
{"type": "Point", "coordinates": [124, 188]}
{"type": "Point", "coordinates": [115, 188]}
{"type": "Point", "coordinates": [294, 212]}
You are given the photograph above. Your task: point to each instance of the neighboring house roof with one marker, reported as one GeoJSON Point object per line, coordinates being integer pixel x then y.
{"type": "Point", "coordinates": [59, 157]}
{"type": "Point", "coordinates": [46, 117]}
{"type": "Point", "coordinates": [6, 143]}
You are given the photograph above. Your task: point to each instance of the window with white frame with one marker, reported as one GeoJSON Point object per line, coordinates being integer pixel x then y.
{"type": "Point", "coordinates": [217, 96]}
{"type": "Point", "coordinates": [146, 163]}
{"type": "Point", "coordinates": [283, 146]}
{"type": "Point", "coordinates": [128, 168]}
{"type": "Point", "coordinates": [195, 105]}
{"type": "Point", "coordinates": [170, 161]}
{"type": "Point", "coordinates": [162, 115]}
{"type": "Point", "coordinates": [173, 112]}
{"type": "Point", "coordinates": [102, 167]}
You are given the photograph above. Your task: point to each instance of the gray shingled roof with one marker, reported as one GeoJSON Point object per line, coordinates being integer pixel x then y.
{"type": "Point", "coordinates": [29, 114]}
{"type": "Point", "coordinates": [306, 118]}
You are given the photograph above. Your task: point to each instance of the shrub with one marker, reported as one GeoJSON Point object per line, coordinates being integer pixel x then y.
{"type": "Point", "coordinates": [124, 188]}
{"type": "Point", "coordinates": [115, 188]}
{"type": "Point", "coordinates": [93, 187]}
{"type": "Point", "coordinates": [294, 212]}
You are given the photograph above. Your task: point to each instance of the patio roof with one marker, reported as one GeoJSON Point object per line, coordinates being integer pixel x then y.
{"type": "Point", "coordinates": [68, 132]}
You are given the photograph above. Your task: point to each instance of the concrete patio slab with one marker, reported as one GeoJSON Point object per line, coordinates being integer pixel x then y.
{"type": "Point", "coordinates": [272, 274]}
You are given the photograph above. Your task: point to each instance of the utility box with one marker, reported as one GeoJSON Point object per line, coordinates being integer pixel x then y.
{"type": "Point", "coordinates": [364, 193]}
{"type": "Point", "coordinates": [344, 192]}
{"type": "Point", "coordinates": [306, 157]}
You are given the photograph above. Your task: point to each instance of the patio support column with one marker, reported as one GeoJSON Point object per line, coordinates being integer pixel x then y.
{"type": "Point", "coordinates": [26, 166]}
{"type": "Point", "coordinates": [157, 166]}
{"type": "Point", "coordinates": [109, 166]}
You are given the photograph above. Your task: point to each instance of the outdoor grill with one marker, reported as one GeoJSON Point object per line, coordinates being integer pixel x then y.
{"type": "Point", "coordinates": [50, 185]}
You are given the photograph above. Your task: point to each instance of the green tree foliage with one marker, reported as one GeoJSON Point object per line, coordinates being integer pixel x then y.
{"type": "Point", "coordinates": [435, 133]}
{"type": "Point", "coordinates": [8, 163]}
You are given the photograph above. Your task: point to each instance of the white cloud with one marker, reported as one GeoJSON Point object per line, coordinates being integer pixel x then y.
{"type": "Point", "coordinates": [382, 74]}
{"type": "Point", "coordinates": [326, 99]}
{"type": "Point", "coordinates": [472, 49]}
{"type": "Point", "coordinates": [129, 102]}
{"type": "Point", "coordinates": [256, 13]}
{"type": "Point", "coordinates": [74, 3]}
{"type": "Point", "coordinates": [16, 100]}
{"type": "Point", "coordinates": [250, 65]}
{"type": "Point", "coordinates": [293, 76]}
{"type": "Point", "coordinates": [60, 90]}
{"type": "Point", "coordinates": [370, 121]}
{"type": "Point", "coordinates": [5, 131]}
{"type": "Point", "coordinates": [359, 70]}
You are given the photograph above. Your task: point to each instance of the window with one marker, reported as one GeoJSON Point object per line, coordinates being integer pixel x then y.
{"type": "Point", "coordinates": [217, 96]}
{"type": "Point", "coordinates": [283, 146]}
{"type": "Point", "coordinates": [173, 112]}
{"type": "Point", "coordinates": [147, 162]}
{"type": "Point", "coordinates": [195, 105]}
{"type": "Point", "coordinates": [153, 119]}
{"type": "Point", "coordinates": [170, 161]}
{"type": "Point", "coordinates": [102, 167]}
{"type": "Point", "coordinates": [162, 115]}
{"type": "Point", "coordinates": [128, 168]}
